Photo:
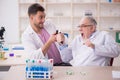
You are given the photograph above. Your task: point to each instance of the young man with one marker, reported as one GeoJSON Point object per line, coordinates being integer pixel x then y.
{"type": "Point", "coordinates": [39, 39]}
{"type": "Point", "coordinates": [91, 47]}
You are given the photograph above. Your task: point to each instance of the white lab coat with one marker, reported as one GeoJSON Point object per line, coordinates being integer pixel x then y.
{"type": "Point", "coordinates": [105, 49]}
{"type": "Point", "coordinates": [32, 43]}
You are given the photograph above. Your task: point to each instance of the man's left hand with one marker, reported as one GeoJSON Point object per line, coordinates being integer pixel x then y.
{"type": "Point", "coordinates": [89, 43]}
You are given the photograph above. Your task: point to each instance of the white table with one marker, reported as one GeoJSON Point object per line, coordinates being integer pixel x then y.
{"type": "Point", "coordinates": [18, 58]}
{"type": "Point", "coordinates": [91, 73]}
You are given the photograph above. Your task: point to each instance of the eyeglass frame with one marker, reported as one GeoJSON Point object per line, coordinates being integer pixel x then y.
{"type": "Point", "coordinates": [83, 26]}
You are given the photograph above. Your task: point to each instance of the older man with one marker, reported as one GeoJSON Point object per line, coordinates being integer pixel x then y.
{"type": "Point", "coordinates": [91, 47]}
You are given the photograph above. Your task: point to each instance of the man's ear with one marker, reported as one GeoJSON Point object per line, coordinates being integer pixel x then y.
{"type": "Point", "coordinates": [93, 28]}
{"type": "Point", "coordinates": [31, 17]}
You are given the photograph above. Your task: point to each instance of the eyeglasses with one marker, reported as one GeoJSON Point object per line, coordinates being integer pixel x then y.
{"type": "Point", "coordinates": [83, 26]}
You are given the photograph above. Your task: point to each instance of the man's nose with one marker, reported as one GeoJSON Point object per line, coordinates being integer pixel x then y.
{"type": "Point", "coordinates": [43, 20]}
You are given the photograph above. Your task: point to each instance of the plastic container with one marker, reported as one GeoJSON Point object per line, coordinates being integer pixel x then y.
{"type": "Point", "coordinates": [2, 55]}
{"type": "Point", "coordinates": [11, 54]}
{"type": "Point", "coordinates": [109, 0]}
{"type": "Point", "coordinates": [39, 74]}
{"type": "Point", "coordinates": [39, 69]}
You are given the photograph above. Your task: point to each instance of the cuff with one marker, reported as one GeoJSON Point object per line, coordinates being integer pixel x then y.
{"type": "Point", "coordinates": [61, 47]}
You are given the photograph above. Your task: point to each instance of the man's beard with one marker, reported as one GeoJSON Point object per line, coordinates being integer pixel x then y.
{"type": "Point", "coordinates": [40, 26]}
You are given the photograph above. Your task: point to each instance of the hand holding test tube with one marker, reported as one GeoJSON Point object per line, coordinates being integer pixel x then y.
{"type": "Point", "coordinates": [60, 37]}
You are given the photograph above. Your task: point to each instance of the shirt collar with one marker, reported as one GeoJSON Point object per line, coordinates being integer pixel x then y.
{"type": "Point", "coordinates": [93, 35]}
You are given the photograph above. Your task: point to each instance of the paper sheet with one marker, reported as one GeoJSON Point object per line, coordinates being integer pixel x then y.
{"type": "Point", "coordinates": [116, 74]}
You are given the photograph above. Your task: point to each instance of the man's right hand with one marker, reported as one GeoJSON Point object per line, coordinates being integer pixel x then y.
{"type": "Point", "coordinates": [52, 38]}
{"type": "Point", "coordinates": [60, 38]}
{"type": "Point", "coordinates": [46, 46]}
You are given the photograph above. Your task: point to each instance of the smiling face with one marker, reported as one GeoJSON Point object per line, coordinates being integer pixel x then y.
{"type": "Point", "coordinates": [38, 20]}
{"type": "Point", "coordinates": [86, 27]}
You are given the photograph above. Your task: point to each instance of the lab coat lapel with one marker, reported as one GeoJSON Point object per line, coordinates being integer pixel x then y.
{"type": "Point", "coordinates": [35, 37]}
{"type": "Point", "coordinates": [94, 35]}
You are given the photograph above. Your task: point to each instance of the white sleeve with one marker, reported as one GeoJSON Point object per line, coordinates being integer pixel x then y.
{"type": "Point", "coordinates": [109, 49]}
{"type": "Point", "coordinates": [66, 51]}
{"type": "Point", "coordinates": [30, 48]}
{"type": "Point", "coordinates": [66, 54]}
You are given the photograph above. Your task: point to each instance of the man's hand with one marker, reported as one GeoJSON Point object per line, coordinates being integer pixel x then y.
{"type": "Point", "coordinates": [52, 38]}
{"type": "Point", "coordinates": [86, 40]}
{"type": "Point", "coordinates": [88, 43]}
{"type": "Point", "coordinates": [60, 38]}
{"type": "Point", "coordinates": [46, 46]}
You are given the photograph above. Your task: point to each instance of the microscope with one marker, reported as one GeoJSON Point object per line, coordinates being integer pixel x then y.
{"type": "Point", "coordinates": [2, 30]}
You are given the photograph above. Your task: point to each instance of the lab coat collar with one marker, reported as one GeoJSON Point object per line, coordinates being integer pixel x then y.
{"type": "Point", "coordinates": [34, 35]}
{"type": "Point", "coordinates": [31, 31]}
{"type": "Point", "coordinates": [93, 35]}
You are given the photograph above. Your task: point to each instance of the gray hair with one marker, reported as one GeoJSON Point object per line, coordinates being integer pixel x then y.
{"type": "Point", "coordinates": [91, 19]}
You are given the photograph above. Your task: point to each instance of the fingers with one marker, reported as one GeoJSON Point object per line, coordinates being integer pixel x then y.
{"type": "Point", "coordinates": [89, 43]}
{"type": "Point", "coordinates": [55, 32]}
{"type": "Point", "coordinates": [60, 38]}
{"type": "Point", "coordinates": [52, 38]}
